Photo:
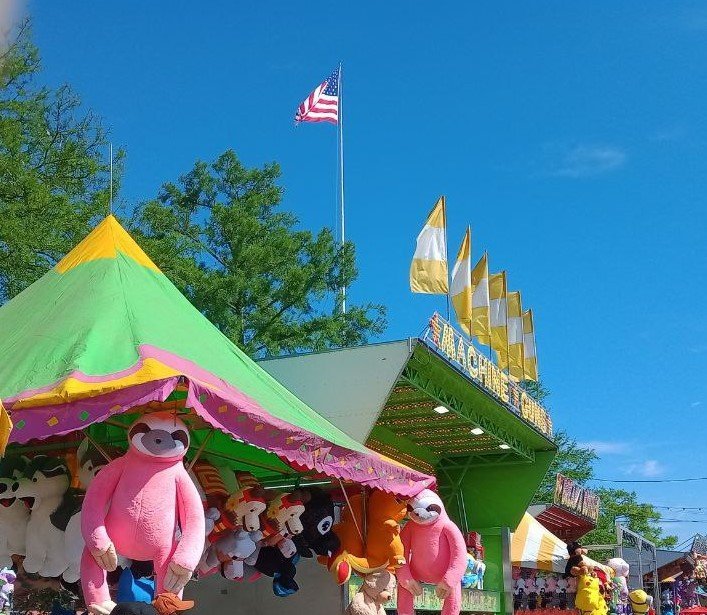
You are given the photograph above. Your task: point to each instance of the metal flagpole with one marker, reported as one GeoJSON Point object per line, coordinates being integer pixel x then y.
{"type": "Point", "coordinates": [110, 201]}
{"type": "Point", "coordinates": [341, 177]}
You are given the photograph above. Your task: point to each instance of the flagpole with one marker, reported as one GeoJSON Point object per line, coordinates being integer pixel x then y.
{"type": "Point", "coordinates": [340, 124]}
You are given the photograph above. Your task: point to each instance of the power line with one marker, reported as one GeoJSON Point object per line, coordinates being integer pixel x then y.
{"type": "Point", "coordinates": [648, 480]}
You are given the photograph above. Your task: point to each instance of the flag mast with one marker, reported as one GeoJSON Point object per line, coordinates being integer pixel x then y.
{"type": "Point", "coordinates": [342, 210]}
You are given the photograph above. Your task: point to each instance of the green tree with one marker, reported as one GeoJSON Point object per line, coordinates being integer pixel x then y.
{"type": "Point", "coordinates": [572, 461]}
{"type": "Point", "coordinates": [642, 518]}
{"type": "Point", "coordinates": [537, 390]}
{"type": "Point", "coordinates": [221, 237]}
{"type": "Point", "coordinates": [53, 180]}
{"type": "Point", "coordinates": [577, 462]}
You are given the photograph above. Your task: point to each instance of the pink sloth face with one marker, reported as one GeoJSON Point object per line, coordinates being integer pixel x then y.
{"type": "Point", "coordinates": [425, 508]}
{"type": "Point", "coordinates": [160, 435]}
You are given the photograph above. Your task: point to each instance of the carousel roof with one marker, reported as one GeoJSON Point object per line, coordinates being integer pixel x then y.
{"type": "Point", "coordinates": [105, 331]}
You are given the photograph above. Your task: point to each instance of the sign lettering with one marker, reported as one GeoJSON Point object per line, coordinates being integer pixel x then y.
{"type": "Point", "coordinates": [569, 494]}
{"type": "Point", "coordinates": [456, 349]}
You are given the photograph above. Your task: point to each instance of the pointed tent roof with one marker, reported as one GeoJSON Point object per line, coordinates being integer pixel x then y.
{"type": "Point", "coordinates": [105, 331]}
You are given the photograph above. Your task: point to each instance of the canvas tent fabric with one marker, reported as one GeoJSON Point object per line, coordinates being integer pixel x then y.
{"type": "Point", "coordinates": [533, 546]}
{"type": "Point", "coordinates": [105, 331]}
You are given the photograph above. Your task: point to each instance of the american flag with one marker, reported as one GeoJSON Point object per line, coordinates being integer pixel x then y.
{"type": "Point", "coordinates": [322, 105]}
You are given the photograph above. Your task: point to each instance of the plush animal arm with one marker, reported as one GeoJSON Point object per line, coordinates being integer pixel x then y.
{"type": "Point", "coordinates": [191, 521]}
{"type": "Point", "coordinates": [93, 514]}
{"type": "Point", "coordinates": [457, 550]}
{"type": "Point", "coordinates": [403, 574]}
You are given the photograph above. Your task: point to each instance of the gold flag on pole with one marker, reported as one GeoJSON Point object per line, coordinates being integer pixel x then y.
{"type": "Point", "coordinates": [428, 270]}
{"type": "Point", "coordinates": [529, 351]}
{"type": "Point", "coordinates": [498, 292]}
{"type": "Point", "coordinates": [460, 289]}
{"type": "Point", "coordinates": [480, 301]}
{"type": "Point", "coordinates": [515, 336]}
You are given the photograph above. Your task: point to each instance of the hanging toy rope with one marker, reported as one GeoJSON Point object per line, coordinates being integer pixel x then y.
{"type": "Point", "coordinates": [97, 446]}
{"type": "Point", "coordinates": [346, 497]}
{"type": "Point", "coordinates": [200, 450]}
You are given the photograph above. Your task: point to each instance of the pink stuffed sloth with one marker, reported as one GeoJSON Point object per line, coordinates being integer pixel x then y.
{"type": "Point", "coordinates": [135, 505]}
{"type": "Point", "coordinates": [435, 553]}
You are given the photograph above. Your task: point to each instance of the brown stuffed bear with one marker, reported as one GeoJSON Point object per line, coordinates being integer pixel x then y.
{"type": "Point", "coordinates": [377, 589]}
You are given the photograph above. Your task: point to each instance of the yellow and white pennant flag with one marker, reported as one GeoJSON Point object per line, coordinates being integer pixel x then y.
{"type": "Point", "coordinates": [460, 290]}
{"type": "Point", "coordinates": [481, 302]}
{"type": "Point", "coordinates": [498, 292]}
{"type": "Point", "coordinates": [529, 352]}
{"type": "Point", "coordinates": [515, 336]}
{"type": "Point", "coordinates": [428, 271]}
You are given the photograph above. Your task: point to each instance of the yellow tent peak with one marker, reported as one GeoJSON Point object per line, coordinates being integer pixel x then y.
{"type": "Point", "coordinates": [105, 241]}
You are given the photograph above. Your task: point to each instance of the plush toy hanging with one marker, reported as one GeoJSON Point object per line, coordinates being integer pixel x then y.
{"type": "Point", "coordinates": [435, 552]}
{"type": "Point", "coordinates": [45, 483]}
{"type": "Point", "coordinates": [639, 601]}
{"type": "Point", "coordinates": [317, 520]}
{"type": "Point", "coordinates": [134, 507]}
{"type": "Point", "coordinates": [383, 548]}
{"type": "Point", "coordinates": [276, 555]}
{"type": "Point", "coordinates": [14, 515]}
{"type": "Point", "coordinates": [376, 591]}
{"type": "Point", "coordinates": [90, 462]}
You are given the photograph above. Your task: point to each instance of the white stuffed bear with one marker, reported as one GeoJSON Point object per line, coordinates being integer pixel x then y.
{"type": "Point", "coordinates": [90, 463]}
{"type": "Point", "coordinates": [621, 569]}
{"type": "Point", "coordinates": [42, 489]}
{"type": "Point", "coordinates": [231, 551]}
{"type": "Point", "coordinates": [14, 515]}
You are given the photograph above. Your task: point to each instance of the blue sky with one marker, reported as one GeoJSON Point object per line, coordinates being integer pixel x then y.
{"type": "Point", "coordinates": [571, 136]}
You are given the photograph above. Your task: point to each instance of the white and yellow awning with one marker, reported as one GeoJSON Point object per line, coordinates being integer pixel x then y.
{"type": "Point", "coordinates": [533, 546]}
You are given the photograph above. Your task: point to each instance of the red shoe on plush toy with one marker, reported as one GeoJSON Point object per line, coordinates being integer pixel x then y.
{"type": "Point", "coordinates": [435, 552]}
{"type": "Point", "coordinates": [134, 506]}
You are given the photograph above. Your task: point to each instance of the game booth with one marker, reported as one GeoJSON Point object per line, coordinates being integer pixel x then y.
{"type": "Point", "coordinates": [438, 405]}
{"type": "Point", "coordinates": [146, 450]}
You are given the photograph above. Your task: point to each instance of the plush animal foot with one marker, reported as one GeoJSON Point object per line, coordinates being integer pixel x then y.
{"type": "Point", "coordinates": [342, 572]}
{"type": "Point", "coordinates": [176, 578]}
{"type": "Point", "coordinates": [51, 570]}
{"type": "Point", "coordinates": [72, 575]}
{"type": "Point", "coordinates": [31, 565]}
{"type": "Point", "coordinates": [101, 608]}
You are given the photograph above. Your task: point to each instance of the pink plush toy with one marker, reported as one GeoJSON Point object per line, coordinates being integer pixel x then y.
{"type": "Point", "coordinates": [435, 552]}
{"type": "Point", "coordinates": [135, 505]}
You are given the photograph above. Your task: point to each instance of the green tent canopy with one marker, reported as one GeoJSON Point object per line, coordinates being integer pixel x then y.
{"type": "Point", "coordinates": [105, 332]}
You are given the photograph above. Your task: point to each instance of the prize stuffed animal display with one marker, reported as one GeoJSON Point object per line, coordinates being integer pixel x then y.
{"type": "Point", "coordinates": [135, 505]}
{"type": "Point", "coordinates": [376, 591]}
{"type": "Point", "coordinates": [639, 601]}
{"type": "Point", "coordinates": [7, 587]}
{"type": "Point", "coordinates": [45, 483]}
{"type": "Point", "coordinates": [164, 604]}
{"type": "Point", "coordinates": [621, 570]}
{"type": "Point", "coordinates": [14, 515]}
{"type": "Point", "coordinates": [435, 552]}
{"type": "Point", "coordinates": [90, 463]}
{"type": "Point", "coordinates": [317, 520]}
{"type": "Point", "coordinates": [276, 555]}
{"type": "Point", "coordinates": [588, 599]}
{"type": "Point", "coordinates": [383, 548]}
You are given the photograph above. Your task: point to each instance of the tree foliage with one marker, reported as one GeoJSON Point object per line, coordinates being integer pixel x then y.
{"type": "Point", "coordinates": [53, 180]}
{"type": "Point", "coordinates": [572, 461]}
{"type": "Point", "coordinates": [270, 287]}
{"type": "Point", "coordinates": [577, 462]}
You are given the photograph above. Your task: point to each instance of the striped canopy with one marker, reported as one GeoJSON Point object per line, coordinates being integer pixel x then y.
{"type": "Point", "coordinates": [105, 331]}
{"type": "Point", "coordinates": [533, 546]}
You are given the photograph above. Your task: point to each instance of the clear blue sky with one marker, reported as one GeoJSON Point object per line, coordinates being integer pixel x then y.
{"type": "Point", "coordinates": [572, 137]}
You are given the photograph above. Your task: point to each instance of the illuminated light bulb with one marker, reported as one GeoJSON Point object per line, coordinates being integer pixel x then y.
{"type": "Point", "coordinates": [441, 410]}
{"type": "Point", "coordinates": [477, 431]}
{"type": "Point", "coordinates": [505, 447]}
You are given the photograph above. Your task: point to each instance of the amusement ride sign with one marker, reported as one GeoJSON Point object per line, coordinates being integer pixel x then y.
{"type": "Point", "coordinates": [570, 495]}
{"type": "Point", "coordinates": [455, 348]}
